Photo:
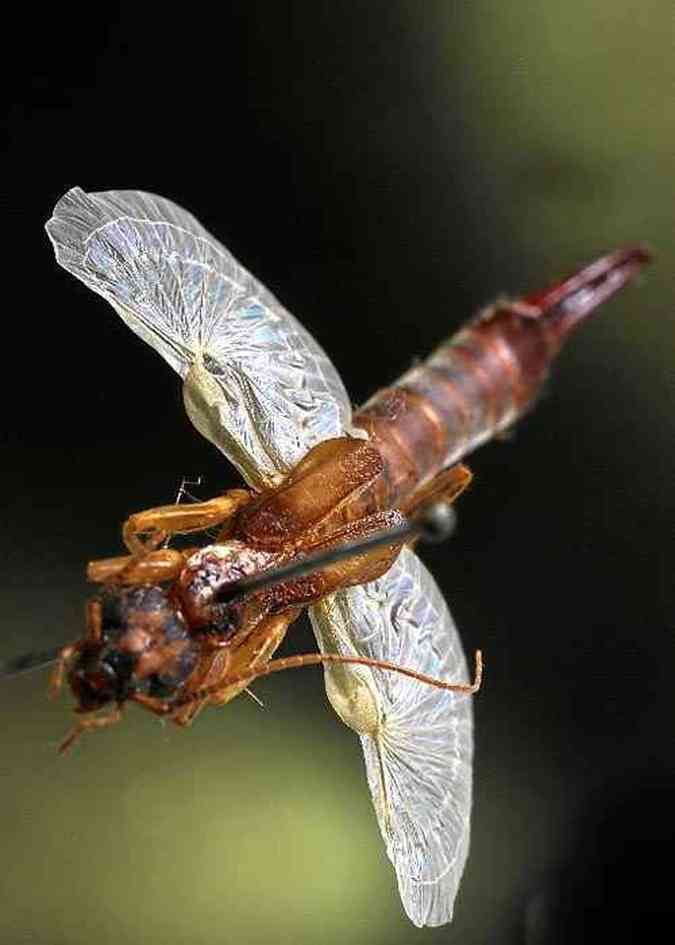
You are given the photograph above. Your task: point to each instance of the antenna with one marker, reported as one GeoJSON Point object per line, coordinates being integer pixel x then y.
{"type": "Point", "coordinates": [22, 664]}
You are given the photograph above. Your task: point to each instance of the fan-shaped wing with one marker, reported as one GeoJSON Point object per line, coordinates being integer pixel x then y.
{"type": "Point", "coordinates": [417, 740]}
{"type": "Point", "coordinates": [256, 383]}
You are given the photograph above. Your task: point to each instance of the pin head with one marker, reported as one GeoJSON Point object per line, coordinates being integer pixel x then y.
{"type": "Point", "coordinates": [437, 522]}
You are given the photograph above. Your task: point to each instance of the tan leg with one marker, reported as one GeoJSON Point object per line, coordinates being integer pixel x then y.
{"type": "Point", "coordinates": [181, 716]}
{"type": "Point", "coordinates": [186, 714]}
{"type": "Point", "coordinates": [445, 487]}
{"type": "Point", "coordinates": [157, 706]}
{"type": "Point", "coordinates": [160, 523]}
{"type": "Point", "coordinates": [314, 659]}
{"type": "Point", "coordinates": [165, 564]}
{"type": "Point", "coordinates": [93, 635]}
{"type": "Point", "coordinates": [94, 621]}
{"type": "Point", "coordinates": [222, 690]}
{"type": "Point", "coordinates": [86, 725]}
{"type": "Point", "coordinates": [58, 674]}
{"type": "Point", "coordinates": [244, 655]}
{"type": "Point", "coordinates": [216, 695]}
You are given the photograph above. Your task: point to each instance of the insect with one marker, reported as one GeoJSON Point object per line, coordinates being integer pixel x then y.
{"type": "Point", "coordinates": [177, 630]}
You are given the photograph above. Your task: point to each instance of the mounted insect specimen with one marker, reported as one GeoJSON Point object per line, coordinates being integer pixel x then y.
{"type": "Point", "coordinates": [177, 630]}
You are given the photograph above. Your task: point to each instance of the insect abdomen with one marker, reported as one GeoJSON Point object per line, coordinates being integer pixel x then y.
{"type": "Point", "coordinates": [473, 386]}
{"type": "Point", "coordinates": [486, 376]}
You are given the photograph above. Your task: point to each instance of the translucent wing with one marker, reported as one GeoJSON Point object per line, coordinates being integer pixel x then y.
{"type": "Point", "coordinates": [417, 740]}
{"type": "Point", "coordinates": [256, 383]}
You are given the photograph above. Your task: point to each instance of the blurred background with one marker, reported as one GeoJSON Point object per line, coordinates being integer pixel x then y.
{"type": "Point", "coordinates": [385, 168]}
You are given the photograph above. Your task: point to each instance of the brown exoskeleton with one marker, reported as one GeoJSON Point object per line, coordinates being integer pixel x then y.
{"type": "Point", "coordinates": [174, 647]}
{"type": "Point", "coordinates": [177, 630]}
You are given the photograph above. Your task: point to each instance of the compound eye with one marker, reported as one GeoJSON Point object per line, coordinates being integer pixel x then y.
{"type": "Point", "coordinates": [92, 689]}
{"type": "Point", "coordinates": [118, 666]}
{"type": "Point", "coordinates": [106, 673]}
{"type": "Point", "coordinates": [94, 682]}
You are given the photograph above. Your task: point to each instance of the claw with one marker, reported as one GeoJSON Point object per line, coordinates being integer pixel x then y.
{"type": "Point", "coordinates": [567, 303]}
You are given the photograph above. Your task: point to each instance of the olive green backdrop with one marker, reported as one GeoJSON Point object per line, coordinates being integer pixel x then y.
{"type": "Point", "coordinates": [385, 168]}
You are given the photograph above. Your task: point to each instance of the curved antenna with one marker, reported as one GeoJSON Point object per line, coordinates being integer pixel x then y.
{"type": "Point", "coordinates": [316, 659]}
{"type": "Point", "coordinates": [23, 664]}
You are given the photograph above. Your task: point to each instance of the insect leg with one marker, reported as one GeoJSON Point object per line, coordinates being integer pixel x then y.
{"type": "Point", "coordinates": [165, 564]}
{"type": "Point", "coordinates": [444, 487]}
{"type": "Point", "coordinates": [183, 715]}
{"type": "Point", "coordinates": [313, 659]}
{"type": "Point", "coordinates": [186, 714]}
{"type": "Point", "coordinates": [94, 622]}
{"type": "Point", "coordinates": [212, 683]}
{"type": "Point", "coordinates": [160, 523]}
{"type": "Point", "coordinates": [85, 725]}
{"type": "Point", "coordinates": [157, 706]}
{"type": "Point", "coordinates": [58, 673]}
{"type": "Point", "coordinates": [93, 635]}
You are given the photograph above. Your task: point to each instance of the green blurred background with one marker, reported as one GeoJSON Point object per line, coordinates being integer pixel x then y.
{"type": "Point", "coordinates": [385, 168]}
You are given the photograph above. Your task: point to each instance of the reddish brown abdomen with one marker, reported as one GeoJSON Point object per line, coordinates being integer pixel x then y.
{"type": "Point", "coordinates": [473, 386]}
{"type": "Point", "coordinates": [486, 376]}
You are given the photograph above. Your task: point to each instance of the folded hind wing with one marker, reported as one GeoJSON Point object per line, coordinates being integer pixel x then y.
{"type": "Point", "coordinates": [417, 740]}
{"type": "Point", "coordinates": [256, 383]}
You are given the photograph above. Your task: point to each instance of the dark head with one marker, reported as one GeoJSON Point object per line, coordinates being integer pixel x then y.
{"type": "Point", "coordinates": [99, 675]}
{"type": "Point", "coordinates": [139, 644]}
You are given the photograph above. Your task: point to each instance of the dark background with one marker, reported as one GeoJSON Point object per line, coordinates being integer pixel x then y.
{"type": "Point", "coordinates": [385, 168]}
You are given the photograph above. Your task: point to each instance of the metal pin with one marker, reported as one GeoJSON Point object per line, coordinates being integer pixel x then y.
{"type": "Point", "coordinates": [434, 524]}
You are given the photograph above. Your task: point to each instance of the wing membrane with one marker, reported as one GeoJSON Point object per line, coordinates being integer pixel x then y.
{"type": "Point", "coordinates": [256, 383]}
{"type": "Point", "coordinates": [417, 741]}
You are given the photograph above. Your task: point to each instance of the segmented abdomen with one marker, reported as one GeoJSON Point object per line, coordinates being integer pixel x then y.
{"type": "Point", "coordinates": [470, 388]}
